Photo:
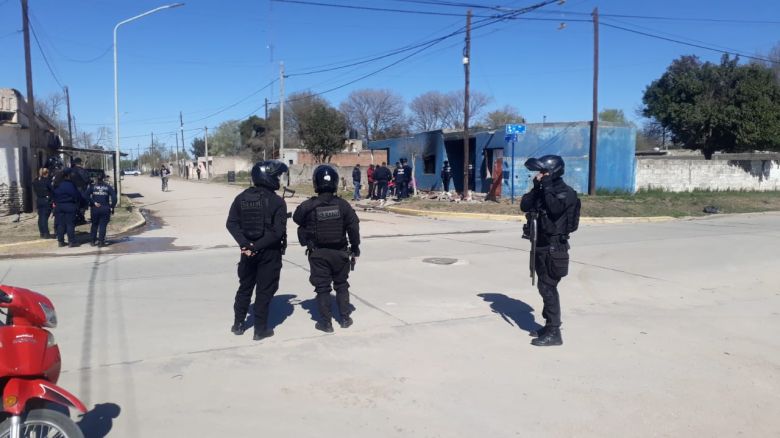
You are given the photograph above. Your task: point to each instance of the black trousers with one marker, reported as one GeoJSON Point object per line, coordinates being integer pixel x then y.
{"type": "Point", "coordinates": [100, 218]}
{"type": "Point", "coordinates": [446, 183]}
{"type": "Point", "coordinates": [44, 211]}
{"type": "Point", "coordinates": [259, 272]}
{"type": "Point", "coordinates": [371, 190]}
{"type": "Point", "coordinates": [65, 216]}
{"type": "Point", "coordinates": [548, 271]}
{"type": "Point", "coordinates": [381, 189]}
{"type": "Point", "coordinates": [403, 189]}
{"type": "Point", "coordinates": [330, 266]}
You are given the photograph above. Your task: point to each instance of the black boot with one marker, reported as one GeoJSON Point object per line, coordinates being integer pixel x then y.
{"type": "Point", "coordinates": [94, 243]}
{"type": "Point", "coordinates": [61, 244]}
{"type": "Point", "coordinates": [238, 329]}
{"type": "Point", "coordinates": [262, 334]}
{"type": "Point", "coordinates": [538, 333]}
{"type": "Point", "coordinates": [346, 321]}
{"type": "Point", "coordinates": [552, 336]}
{"type": "Point", "coordinates": [324, 326]}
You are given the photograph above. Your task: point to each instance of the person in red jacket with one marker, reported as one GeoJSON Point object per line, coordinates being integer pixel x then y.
{"type": "Point", "coordinates": [370, 177]}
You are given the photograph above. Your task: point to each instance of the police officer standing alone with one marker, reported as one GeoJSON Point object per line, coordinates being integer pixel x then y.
{"type": "Point", "coordinates": [102, 200]}
{"type": "Point", "coordinates": [446, 175]}
{"type": "Point", "coordinates": [324, 224]}
{"type": "Point", "coordinates": [258, 222]}
{"type": "Point", "coordinates": [554, 207]}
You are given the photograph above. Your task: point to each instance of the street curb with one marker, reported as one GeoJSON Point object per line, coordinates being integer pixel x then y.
{"type": "Point", "coordinates": [42, 242]}
{"type": "Point", "coordinates": [519, 218]}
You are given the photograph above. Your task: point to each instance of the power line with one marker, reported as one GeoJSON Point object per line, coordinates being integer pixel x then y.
{"type": "Point", "coordinates": [700, 46]}
{"type": "Point", "coordinates": [236, 103]}
{"type": "Point", "coordinates": [45, 59]}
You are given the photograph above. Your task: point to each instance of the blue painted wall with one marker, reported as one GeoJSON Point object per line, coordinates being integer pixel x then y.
{"type": "Point", "coordinates": [615, 163]}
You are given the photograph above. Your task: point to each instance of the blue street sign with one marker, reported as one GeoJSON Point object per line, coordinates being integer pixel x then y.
{"type": "Point", "coordinates": [510, 137]}
{"type": "Point", "coordinates": [515, 129]}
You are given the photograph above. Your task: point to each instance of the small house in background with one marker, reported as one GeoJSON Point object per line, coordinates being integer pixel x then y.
{"type": "Point", "coordinates": [491, 165]}
{"type": "Point", "coordinates": [20, 158]}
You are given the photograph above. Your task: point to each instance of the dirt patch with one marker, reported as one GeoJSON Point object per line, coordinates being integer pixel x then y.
{"type": "Point", "coordinates": [642, 204]}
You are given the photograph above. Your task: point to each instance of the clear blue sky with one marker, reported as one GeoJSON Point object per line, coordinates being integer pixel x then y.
{"type": "Point", "coordinates": [207, 55]}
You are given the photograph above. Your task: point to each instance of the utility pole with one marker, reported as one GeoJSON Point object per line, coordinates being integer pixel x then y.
{"type": "Point", "coordinates": [466, 69]}
{"type": "Point", "coordinates": [181, 127]}
{"type": "Point", "coordinates": [206, 139]}
{"type": "Point", "coordinates": [28, 74]}
{"type": "Point", "coordinates": [281, 112]}
{"type": "Point", "coordinates": [177, 153]}
{"type": "Point", "coordinates": [70, 123]}
{"type": "Point", "coordinates": [265, 125]}
{"type": "Point", "coordinates": [594, 126]}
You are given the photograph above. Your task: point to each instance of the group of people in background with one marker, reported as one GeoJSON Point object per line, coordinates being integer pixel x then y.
{"type": "Point", "coordinates": [67, 193]}
{"type": "Point", "coordinates": [382, 180]}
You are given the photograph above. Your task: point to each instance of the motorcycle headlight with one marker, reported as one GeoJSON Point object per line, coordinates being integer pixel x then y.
{"type": "Point", "coordinates": [51, 316]}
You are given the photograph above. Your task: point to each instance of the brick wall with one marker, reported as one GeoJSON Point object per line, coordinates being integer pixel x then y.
{"type": "Point", "coordinates": [347, 159]}
{"type": "Point", "coordinates": [679, 175]}
{"type": "Point", "coordinates": [11, 196]}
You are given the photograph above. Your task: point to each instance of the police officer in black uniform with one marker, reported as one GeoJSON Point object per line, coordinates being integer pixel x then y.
{"type": "Point", "coordinates": [446, 175]}
{"type": "Point", "coordinates": [102, 200]}
{"type": "Point", "coordinates": [81, 180]}
{"type": "Point", "coordinates": [67, 199]}
{"type": "Point", "coordinates": [43, 200]}
{"type": "Point", "coordinates": [553, 203]}
{"type": "Point", "coordinates": [258, 222]}
{"type": "Point", "coordinates": [408, 180]}
{"type": "Point", "coordinates": [324, 223]}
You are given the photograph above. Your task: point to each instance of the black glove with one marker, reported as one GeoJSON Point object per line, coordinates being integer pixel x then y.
{"type": "Point", "coordinates": [112, 211]}
{"type": "Point", "coordinates": [546, 180]}
{"type": "Point", "coordinates": [355, 251]}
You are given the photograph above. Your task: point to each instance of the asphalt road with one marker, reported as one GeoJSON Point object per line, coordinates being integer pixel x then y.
{"type": "Point", "coordinates": [670, 329]}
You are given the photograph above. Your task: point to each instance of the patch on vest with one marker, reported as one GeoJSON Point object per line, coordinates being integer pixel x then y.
{"type": "Point", "coordinates": [328, 213]}
{"type": "Point", "coordinates": [329, 228]}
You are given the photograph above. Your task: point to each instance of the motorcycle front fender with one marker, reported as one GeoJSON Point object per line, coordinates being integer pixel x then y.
{"type": "Point", "coordinates": [18, 392]}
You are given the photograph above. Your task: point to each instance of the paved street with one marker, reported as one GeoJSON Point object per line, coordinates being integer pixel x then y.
{"type": "Point", "coordinates": [670, 329]}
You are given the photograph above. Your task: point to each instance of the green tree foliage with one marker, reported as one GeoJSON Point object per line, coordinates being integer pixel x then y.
{"type": "Point", "coordinates": [255, 134]}
{"type": "Point", "coordinates": [613, 115]}
{"type": "Point", "coordinates": [322, 129]}
{"type": "Point", "coordinates": [717, 107]}
{"type": "Point", "coordinates": [226, 139]}
{"type": "Point", "coordinates": [198, 147]}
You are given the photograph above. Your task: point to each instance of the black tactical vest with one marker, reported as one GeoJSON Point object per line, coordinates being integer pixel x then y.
{"type": "Point", "coordinates": [254, 210]}
{"type": "Point", "coordinates": [328, 225]}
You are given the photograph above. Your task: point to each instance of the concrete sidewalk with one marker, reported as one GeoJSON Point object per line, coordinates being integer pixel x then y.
{"type": "Point", "coordinates": [670, 329]}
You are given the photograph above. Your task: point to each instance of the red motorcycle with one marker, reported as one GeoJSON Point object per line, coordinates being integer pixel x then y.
{"type": "Point", "coordinates": [33, 404]}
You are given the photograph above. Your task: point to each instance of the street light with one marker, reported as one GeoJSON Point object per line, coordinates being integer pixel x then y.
{"type": "Point", "coordinates": [116, 93]}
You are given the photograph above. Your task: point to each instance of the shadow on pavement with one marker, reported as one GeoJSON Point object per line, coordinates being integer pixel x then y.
{"type": "Point", "coordinates": [513, 311]}
{"type": "Point", "coordinates": [280, 309]}
{"type": "Point", "coordinates": [311, 306]}
{"type": "Point", "coordinates": [98, 422]}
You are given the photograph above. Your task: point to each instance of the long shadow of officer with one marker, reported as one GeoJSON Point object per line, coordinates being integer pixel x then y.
{"type": "Point", "coordinates": [324, 223]}
{"type": "Point", "coordinates": [554, 208]}
{"type": "Point", "coordinates": [258, 222]}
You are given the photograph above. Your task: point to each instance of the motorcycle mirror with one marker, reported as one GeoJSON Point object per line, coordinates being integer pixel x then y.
{"type": "Point", "coordinates": [4, 297]}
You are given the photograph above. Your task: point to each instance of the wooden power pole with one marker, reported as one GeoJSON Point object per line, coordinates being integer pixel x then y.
{"type": "Point", "coordinates": [70, 123]}
{"type": "Point", "coordinates": [594, 126]}
{"type": "Point", "coordinates": [28, 75]}
{"type": "Point", "coordinates": [466, 69]}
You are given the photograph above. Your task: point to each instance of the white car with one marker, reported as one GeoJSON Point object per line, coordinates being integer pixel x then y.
{"type": "Point", "coordinates": [132, 172]}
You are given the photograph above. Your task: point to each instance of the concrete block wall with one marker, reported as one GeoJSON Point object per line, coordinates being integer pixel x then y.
{"type": "Point", "coordinates": [11, 196]}
{"type": "Point", "coordinates": [680, 175]}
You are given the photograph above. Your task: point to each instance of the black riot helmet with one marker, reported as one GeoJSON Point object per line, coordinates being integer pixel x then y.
{"type": "Point", "coordinates": [325, 179]}
{"type": "Point", "coordinates": [267, 173]}
{"type": "Point", "coordinates": [552, 164]}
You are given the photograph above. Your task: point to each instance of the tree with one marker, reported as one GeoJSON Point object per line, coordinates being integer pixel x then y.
{"type": "Point", "coordinates": [374, 113]}
{"type": "Point", "coordinates": [198, 147]}
{"type": "Point", "coordinates": [255, 133]}
{"type": "Point", "coordinates": [226, 139]}
{"type": "Point", "coordinates": [298, 105]}
{"type": "Point", "coordinates": [453, 111]}
{"type": "Point", "coordinates": [428, 111]}
{"type": "Point", "coordinates": [613, 115]}
{"type": "Point", "coordinates": [717, 107]}
{"type": "Point", "coordinates": [322, 129]}
{"type": "Point", "coordinates": [501, 117]}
